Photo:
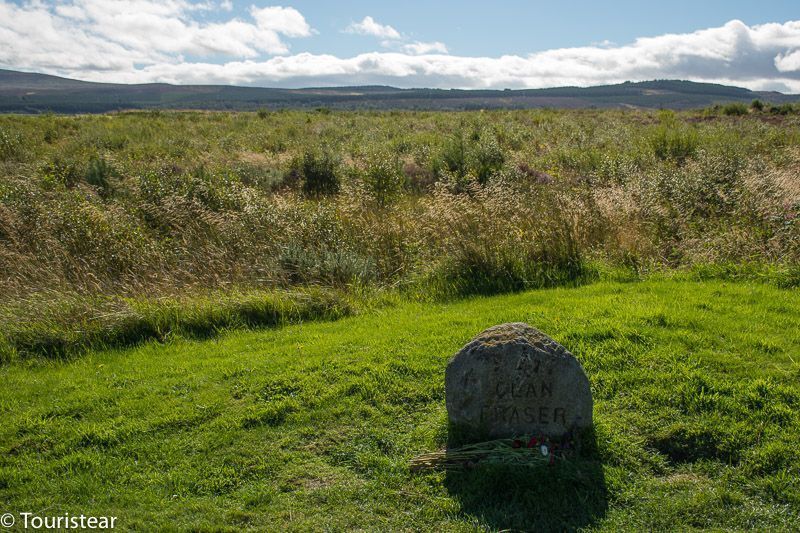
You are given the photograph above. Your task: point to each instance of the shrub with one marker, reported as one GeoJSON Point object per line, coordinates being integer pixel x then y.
{"type": "Point", "coordinates": [674, 143]}
{"type": "Point", "coordinates": [383, 178]}
{"type": "Point", "coordinates": [455, 154]}
{"type": "Point", "coordinates": [319, 173]}
{"type": "Point", "coordinates": [479, 155]}
{"type": "Point", "coordinates": [64, 171]}
{"type": "Point", "coordinates": [734, 109]}
{"type": "Point", "coordinates": [757, 105]}
{"type": "Point", "coordinates": [99, 174]}
{"type": "Point", "coordinates": [265, 178]}
{"type": "Point", "coordinates": [783, 109]}
{"type": "Point", "coordinates": [488, 157]}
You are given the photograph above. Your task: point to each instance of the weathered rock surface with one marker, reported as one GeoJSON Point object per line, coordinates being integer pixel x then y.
{"type": "Point", "coordinates": [513, 380]}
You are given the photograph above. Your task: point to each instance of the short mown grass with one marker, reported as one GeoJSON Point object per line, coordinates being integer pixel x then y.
{"type": "Point", "coordinates": [311, 426]}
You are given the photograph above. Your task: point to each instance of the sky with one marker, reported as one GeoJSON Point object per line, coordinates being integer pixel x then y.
{"type": "Point", "coordinates": [446, 44]}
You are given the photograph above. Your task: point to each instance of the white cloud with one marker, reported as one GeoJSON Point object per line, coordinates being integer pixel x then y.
{"type": "Point", "coordinates": [163, 41]}
{"type": "Point", "coordinates": [393, 39]}
{"type": "Point", "coordinates": [789, 62]}
{"type": "Point", "coordinates": [89, 37]}
{"type": "Point", "coordinates": [285, 20]}
{"type": "Point", "coordinates": [368, 26]}
{"type": "Point", "coordinates": [418, 48]}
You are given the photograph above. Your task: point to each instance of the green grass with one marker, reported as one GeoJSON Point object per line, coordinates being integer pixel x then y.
{"type": "Point", "coordinates": [310, 427]}
{"type": "Point", "coordinates": [59, 327]}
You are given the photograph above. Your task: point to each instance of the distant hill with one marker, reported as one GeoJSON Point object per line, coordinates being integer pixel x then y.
{"type": "Point", "coordinates": [23, 92]}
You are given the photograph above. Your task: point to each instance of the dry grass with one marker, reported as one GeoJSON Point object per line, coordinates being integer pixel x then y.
{"type": "Point", "coordinates": [147, 206]}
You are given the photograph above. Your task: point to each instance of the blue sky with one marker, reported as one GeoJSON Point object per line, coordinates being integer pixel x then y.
{"type": "Point", "coordinates": [497, 28]}
{"type": "Point", "coordinates": [504, 44]}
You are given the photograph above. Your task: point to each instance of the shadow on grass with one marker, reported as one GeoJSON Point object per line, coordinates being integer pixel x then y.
{"type": "Point", "coordinates": [60, 329]}
{"type": "Point", "coordinates": [567, 496]}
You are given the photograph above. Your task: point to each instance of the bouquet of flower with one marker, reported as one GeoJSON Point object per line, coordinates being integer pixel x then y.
{"type": "Point", "coordinates": [522, 451]}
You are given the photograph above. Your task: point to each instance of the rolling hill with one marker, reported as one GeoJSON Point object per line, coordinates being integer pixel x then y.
{"type": "Point", "coordinates": [23, 92]}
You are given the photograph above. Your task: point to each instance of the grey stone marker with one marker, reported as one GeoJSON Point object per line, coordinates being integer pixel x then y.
{"type": "Point", "coordinates": [514, 380]}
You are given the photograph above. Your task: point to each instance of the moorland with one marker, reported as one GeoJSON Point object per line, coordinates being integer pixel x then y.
{"type": "Point", "coordinates": [218, 320]}
{"type": "Point", "coordinates": [133, 226]}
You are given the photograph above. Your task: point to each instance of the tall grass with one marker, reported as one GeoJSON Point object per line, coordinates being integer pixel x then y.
{"type": "Point", "coordinates": [67, 325]}
{"type": "Point", "coordinates": [501, 238]}
{"type": "Point", "coordinates": [146, 206]}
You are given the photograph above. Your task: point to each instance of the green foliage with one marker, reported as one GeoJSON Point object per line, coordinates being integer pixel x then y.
{"type": "Point", "coordinates": [99, 174]}
{"type": "Point", "coordinates": [383, 178]}
{"type": "Point", "coordinates": [64, 171]}
{"type": "Point", "coordinates": [319, 171]}
{"type": "Point", "coordinates": [488, 157]}
{"type": "Point", "coordinates": [11, 145]}
{"type": "Point", "coordinates": [313, 263]}
{"type": "Point", "coordinates": [158, 226]}
{"type": "Point", "coordinates": [455, 154]}
{"type": "Point", "coordinates": [479, 155]}
{"type": "Point", "coordinates": [783, 109]}
{"type": "Point", "coordinates": [674, 142]}
{"type": "Point", "coordinates": [735, 109]}
{"type": "Point", "coordinates": [479, 272]}
{"type": "Point", "coordinates": [757, 105]}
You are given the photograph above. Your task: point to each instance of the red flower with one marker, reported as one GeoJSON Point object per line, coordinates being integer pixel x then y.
{"type": "Point", "coordinates": [533, 442]}
{"type": "Point", "coordinates": [516, 444]}
{"type": "Point", "coordinates": [552, 458]}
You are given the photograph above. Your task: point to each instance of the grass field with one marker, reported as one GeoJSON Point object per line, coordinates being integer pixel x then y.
{"type": "Point", "coordinates": [122, 228]}
{"type": "Point", "coordinates": [311, 426]}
